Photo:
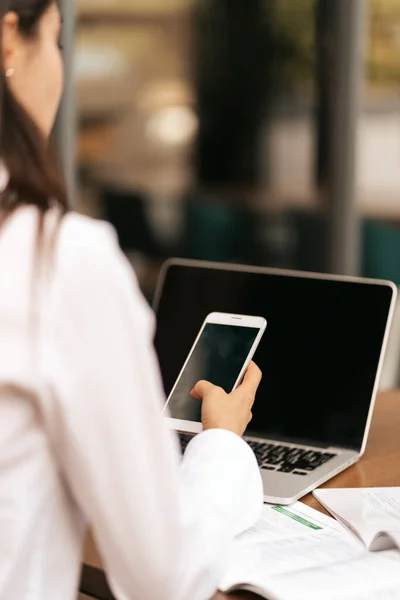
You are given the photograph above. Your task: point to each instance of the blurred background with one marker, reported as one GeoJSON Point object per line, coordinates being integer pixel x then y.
{"type": "Point", "coordinates": [263, 132]}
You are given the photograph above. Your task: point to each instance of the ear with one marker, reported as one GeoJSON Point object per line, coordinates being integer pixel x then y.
{"type": "Point", "coordinates": [11, 40]}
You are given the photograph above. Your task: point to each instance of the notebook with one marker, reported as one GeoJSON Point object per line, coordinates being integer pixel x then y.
{"type": "Point", "coordinates": [373, 514]}
{"type": "Point", "coordinates": [296, 553]}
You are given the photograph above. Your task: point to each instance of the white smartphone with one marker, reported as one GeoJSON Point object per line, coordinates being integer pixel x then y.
{"type": "Point", "coordinates": [221, 353]}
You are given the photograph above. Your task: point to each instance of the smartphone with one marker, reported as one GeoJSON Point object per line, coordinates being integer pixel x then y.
{"type": "Point", "coordinates": [221, 353]}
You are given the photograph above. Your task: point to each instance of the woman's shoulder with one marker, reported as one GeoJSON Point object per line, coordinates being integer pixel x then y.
{"type": "Point", "coordinates": [79, 256]}
{"type": "Point", "coordinates": [80, 232]}
{"type": "Point", "coordinates": [90, 262]}
{"type": "Point", "coordinates": [85, 247]}
{"type": "Point", "coordinates": [75, 247]}
{"type": "Point", "coordinates": [68, 233]}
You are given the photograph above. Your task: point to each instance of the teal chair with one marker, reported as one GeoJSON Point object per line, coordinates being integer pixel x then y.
{"type": "Point", "coordinates": [381, 260]}
{"type": "Point", "coordinates": [381, 251]}
{"type": "Point", "coordinates": [213, 231]}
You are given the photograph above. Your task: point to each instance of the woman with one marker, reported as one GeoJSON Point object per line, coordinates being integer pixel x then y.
{"type": "Point", "coordinates": [82, 438]}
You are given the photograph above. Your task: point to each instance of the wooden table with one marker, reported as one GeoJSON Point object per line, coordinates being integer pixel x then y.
{"type": "Point", "coordinates": [379, 467]}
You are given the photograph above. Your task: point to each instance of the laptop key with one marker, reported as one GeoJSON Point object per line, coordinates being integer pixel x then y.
{"type": "Point", "coordinates": [307, 467]}
{"type": "Point", "coordinates": [327, 456]}
{"type": "Point", "coordinates": [184, 439]}
{"type": "Point", "coordinates": [293, 454]}
{"type": "Point", "coordinates": [286, 469]}
{"type": "Point", "coordinates": [312, 462]}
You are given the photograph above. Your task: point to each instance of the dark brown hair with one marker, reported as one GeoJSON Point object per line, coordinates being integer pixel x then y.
{"type": "Point", "coordinates": [34, 175]}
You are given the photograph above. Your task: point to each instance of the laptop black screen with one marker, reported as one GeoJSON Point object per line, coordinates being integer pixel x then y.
{"type": "Point", "coordinates": [319, 354]}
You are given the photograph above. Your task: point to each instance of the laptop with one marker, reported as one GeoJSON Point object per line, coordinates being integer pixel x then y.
{"type": "Point", "coordinates": [321, 357]}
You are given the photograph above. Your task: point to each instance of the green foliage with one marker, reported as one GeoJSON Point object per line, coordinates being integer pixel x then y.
{"type": "Point", "coordinates": [295, 22]}
{"type": "Point", "coordinates": [295, 40]}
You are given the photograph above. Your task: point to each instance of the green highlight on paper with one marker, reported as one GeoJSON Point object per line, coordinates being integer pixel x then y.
{"type": "Point", "coordinates": [297, 518]}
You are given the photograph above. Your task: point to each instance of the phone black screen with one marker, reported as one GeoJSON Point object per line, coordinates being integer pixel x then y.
{"type": "Point", "coordinates": [218, 357]}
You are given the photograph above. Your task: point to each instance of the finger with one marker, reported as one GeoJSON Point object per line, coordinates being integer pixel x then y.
{"type": "Point", "coordinates": [252, 379]}
{"type": "Point", "coordinates": [253, 375]}
{"type": "Point", "coordinates": [201, 389]}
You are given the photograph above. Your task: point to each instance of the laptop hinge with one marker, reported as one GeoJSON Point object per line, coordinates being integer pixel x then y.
{"type": "Point", "coordinates": [298, 442]}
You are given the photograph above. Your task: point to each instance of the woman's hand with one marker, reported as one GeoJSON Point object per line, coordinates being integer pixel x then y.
{"type": "Point", "coordinates": [228, 411]}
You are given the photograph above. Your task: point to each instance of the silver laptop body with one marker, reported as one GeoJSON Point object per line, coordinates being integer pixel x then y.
{"type": "Point", "coordinates": [290, 465]}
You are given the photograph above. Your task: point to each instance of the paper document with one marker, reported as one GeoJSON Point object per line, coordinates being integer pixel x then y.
{"type": "Point", "coordinates": [373, 514]}
{"type": "Point", "coordinates": [296, 553]}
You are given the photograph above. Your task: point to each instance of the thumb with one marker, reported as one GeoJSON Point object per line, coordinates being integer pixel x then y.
{"type": "Point", "coordinates": [201, 389]}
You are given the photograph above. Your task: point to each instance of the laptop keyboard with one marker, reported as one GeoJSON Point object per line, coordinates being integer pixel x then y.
{"type": "Point", "coordinates": [184, 439]}
{"type": "Point", "coordinates": [288, 459]}
{"type": "Point", "coordinates": [284, 459]}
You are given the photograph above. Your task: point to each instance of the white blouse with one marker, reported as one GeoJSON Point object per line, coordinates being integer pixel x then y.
{"type": "Point", "coordinates": [82, 438]}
